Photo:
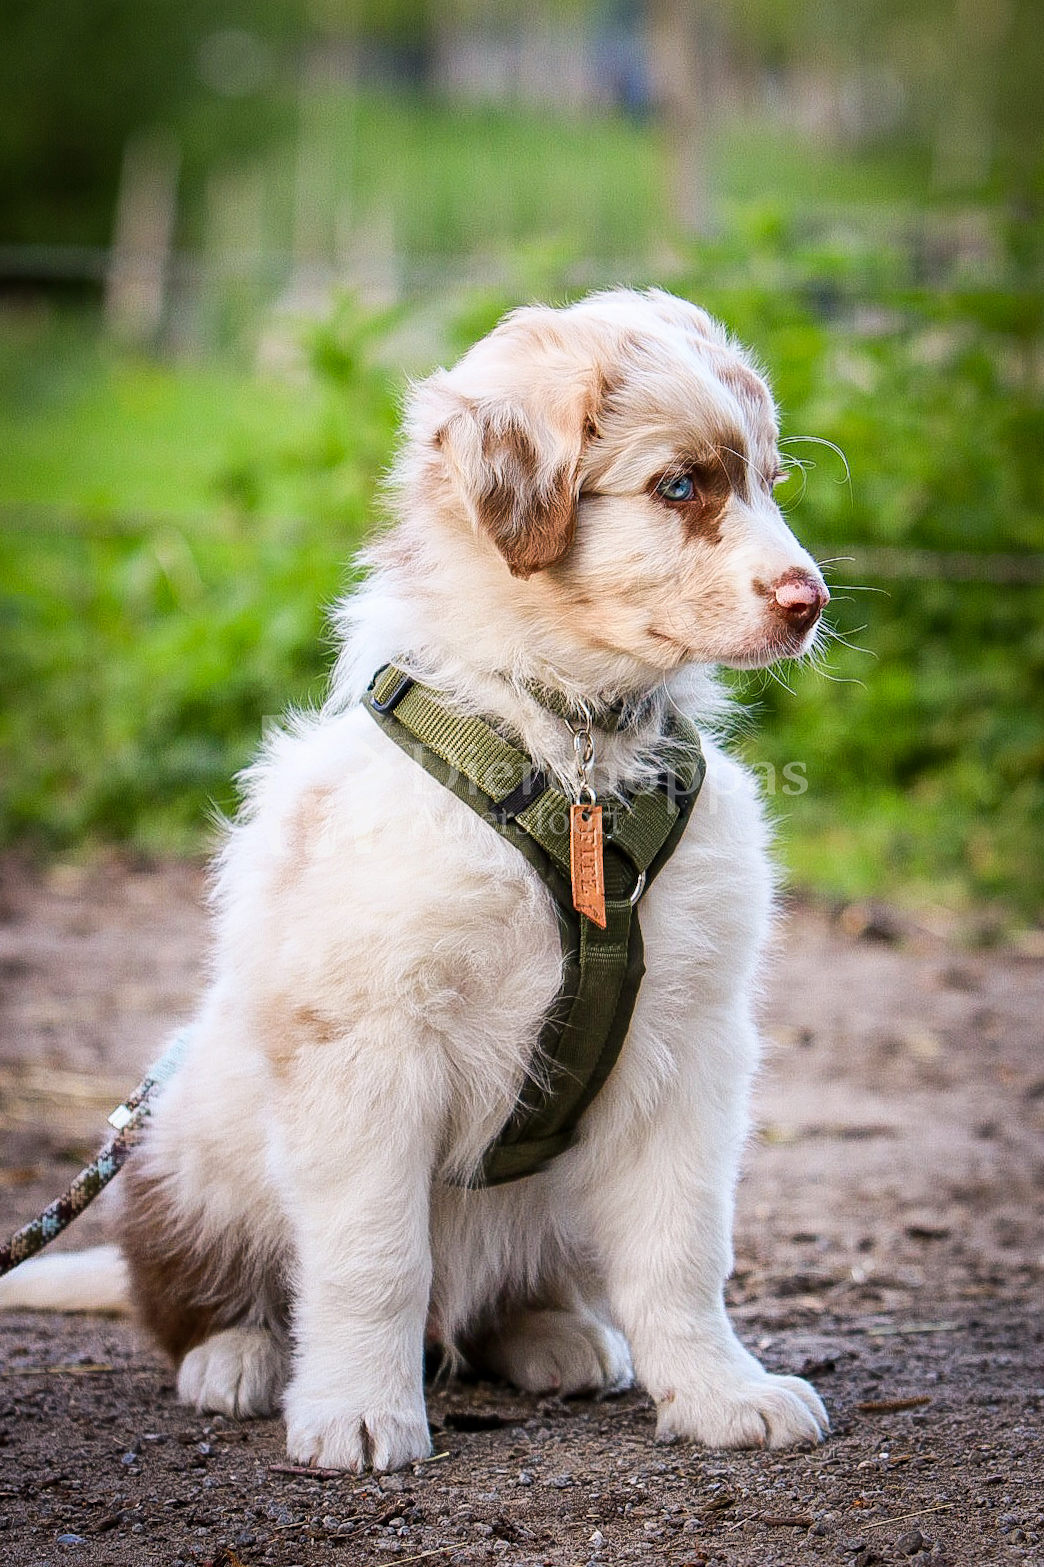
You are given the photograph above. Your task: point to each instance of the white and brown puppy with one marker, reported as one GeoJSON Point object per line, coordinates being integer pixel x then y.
{"type": "Point", "coordinates": [583, 503]}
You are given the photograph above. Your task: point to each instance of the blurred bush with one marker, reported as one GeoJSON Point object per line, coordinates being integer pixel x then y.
{"type": "Point", "coordinates": [138, 663]}
{"type": "Point", "coordinates": [141, 656]}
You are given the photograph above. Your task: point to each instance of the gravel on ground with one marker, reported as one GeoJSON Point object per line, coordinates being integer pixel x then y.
{"type": "Point", "coordinates": [890, 1247]}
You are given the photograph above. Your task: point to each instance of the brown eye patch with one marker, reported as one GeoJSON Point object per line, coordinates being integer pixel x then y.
{"type": "Point", "coordinates": [699, 490]}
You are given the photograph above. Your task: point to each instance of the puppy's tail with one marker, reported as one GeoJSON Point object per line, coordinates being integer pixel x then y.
{"type": "Point", "coordinates": [94, 1280]}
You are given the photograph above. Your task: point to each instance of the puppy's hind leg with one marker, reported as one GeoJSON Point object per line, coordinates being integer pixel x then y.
{"type": "Point", "coordinates": [201, 1230]}
{"type": "Point", "coordinates": [563, 1348]}
{"type": "Point", "coordinates": [239, 1372]}
{"type": "Point", "coordinates": [211, 1301]}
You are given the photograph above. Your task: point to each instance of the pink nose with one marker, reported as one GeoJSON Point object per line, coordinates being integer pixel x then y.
{"type": "Point", "coordinates": [799, 598]}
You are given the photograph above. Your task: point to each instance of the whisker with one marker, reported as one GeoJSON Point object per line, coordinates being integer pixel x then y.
{"type": "Point", "coordinates": [821, 440]}
{"type": "Point", "coordinates": [744, 459]}
{"type": "Point", "coordinates": [817, 657]}
{"type": "Point", "coordinates": [833, 635]}
{"type": "Point", "coordinates": [771, 672]}
{"type": "Point", "coordinates": [840, 680]}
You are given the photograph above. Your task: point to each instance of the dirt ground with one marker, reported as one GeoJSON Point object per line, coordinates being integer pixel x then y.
{"type": "Point", "coordinates": [890, 1246]}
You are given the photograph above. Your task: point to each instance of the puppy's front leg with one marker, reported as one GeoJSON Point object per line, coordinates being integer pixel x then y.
{"type": "Point", "coordinates": [660, 1202]}
{"type": "Point", "coordinates": [358, 1150]}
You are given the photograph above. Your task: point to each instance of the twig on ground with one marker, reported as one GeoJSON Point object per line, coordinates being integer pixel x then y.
{"type": "Point", "coordinates": [882, 1523]}
{"type": "Point", "coordinates": [912, 1327]}
{"type": "Point", "coordinates": [436, 1550]}
{"type": "Point", "coordinates": [885, 1406]}
{"type": "Point", "coordinates": [75, 1370]}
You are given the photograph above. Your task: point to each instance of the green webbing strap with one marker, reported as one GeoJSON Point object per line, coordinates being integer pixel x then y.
{"type": "Point", "coordinates": [601, 969]}
{"type": "Point", "coordinates": [619, 715]}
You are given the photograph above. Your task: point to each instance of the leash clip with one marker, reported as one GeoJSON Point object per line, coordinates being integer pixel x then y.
{"type": "Point", "coordinates": [584, 751]}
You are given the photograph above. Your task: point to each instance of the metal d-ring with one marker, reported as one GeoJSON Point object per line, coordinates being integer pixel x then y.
{"type": "Point", "coordinates": [639, 888]}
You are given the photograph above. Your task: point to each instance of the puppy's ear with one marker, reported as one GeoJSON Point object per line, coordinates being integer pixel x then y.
{"type": "Point", "coordinates": [520, 479]}
{"type": "Point", "coordinates": [520, 485]}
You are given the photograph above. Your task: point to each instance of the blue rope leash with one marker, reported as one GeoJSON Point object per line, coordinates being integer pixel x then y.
{"type": "Point", "coordinates": [128, 1120]}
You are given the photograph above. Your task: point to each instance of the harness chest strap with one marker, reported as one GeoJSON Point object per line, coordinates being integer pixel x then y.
{"type": "Point", "coordinates": [585, 1028]}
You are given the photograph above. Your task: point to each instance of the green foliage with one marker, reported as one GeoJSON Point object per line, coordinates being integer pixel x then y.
{"type": "Point", "coordinates": [141, 656]}
{"type": "Point", "coordinates": [149, 629]}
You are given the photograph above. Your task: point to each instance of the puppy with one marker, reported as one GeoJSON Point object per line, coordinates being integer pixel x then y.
{"type": "Point", "coordinates": [583, 507]}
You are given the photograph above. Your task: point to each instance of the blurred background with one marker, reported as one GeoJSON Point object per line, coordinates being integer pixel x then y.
{"type": "Point", "coordinates": [230, 228]}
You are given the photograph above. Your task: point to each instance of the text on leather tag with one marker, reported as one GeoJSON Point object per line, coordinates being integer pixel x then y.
{"type": "Point", "coordinates": [585, 861]}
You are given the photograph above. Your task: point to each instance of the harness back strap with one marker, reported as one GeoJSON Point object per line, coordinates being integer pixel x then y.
{"type": "Point", "coordinates": [602, 970]}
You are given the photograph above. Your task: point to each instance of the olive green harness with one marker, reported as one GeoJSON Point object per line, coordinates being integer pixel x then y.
{"type": "Point", "coordinates": [585, 1028]}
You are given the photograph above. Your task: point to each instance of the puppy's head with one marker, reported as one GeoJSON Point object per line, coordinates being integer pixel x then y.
{"type": "Point", "coordinates": [617, 460]}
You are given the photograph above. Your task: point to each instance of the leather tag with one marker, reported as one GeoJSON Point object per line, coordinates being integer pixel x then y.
{"type": "Point", "coordinates": [585, 862]}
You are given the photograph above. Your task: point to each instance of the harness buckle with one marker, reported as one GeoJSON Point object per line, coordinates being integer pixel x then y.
{"type": "Point", "coordinates": [394, 697]}
{"type": "Point", "coordinates": [533, 785]}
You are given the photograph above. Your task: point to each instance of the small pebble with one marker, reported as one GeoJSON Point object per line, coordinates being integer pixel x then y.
{"type": "Point", "coordinates": [852, 1544]}
{"type": "Point", "coordinates": [910, 1543]}
{"type": "Point", "coordinates": [71, 1539]}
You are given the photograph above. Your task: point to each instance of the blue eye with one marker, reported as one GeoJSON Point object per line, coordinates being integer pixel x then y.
{"type": "Point", "coordinates": [679, 488]}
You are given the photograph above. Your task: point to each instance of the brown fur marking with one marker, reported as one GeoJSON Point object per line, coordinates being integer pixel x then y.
{"type": "Point", "coordinates": [322, 1028]}
{"type": "Point", "coordinates": [531, 524]}
{"type": "Point", "coordinates": [178, 1294]}
{"type": "Point", "coordinates": [717, 476]}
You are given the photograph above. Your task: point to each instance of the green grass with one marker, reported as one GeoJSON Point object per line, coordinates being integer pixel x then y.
{"type": "Point", "coordinates": [96, 431]}
{"type": "Point", "coordinates": [160, 592]}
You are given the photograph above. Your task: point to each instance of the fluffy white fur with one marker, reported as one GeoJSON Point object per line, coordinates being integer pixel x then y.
{"type": "Point", "coordinates": [383, 959]}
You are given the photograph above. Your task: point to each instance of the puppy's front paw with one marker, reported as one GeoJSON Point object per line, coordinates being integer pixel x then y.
{"type": "Point", "coordinates": [755, 1411]}
{"type": "Point", "coordinates": [238, 1372]}
{"type": "Point", "coordinates": [327, 1436]}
